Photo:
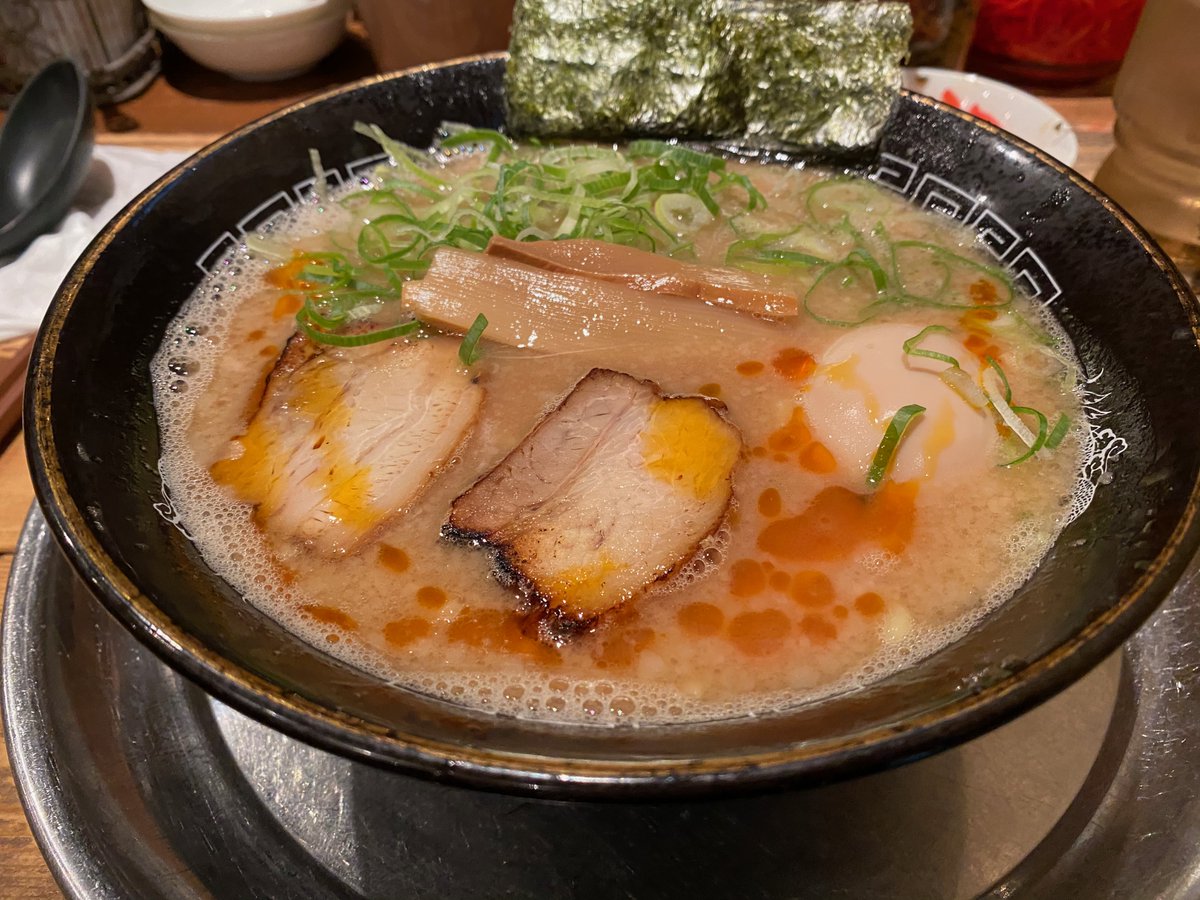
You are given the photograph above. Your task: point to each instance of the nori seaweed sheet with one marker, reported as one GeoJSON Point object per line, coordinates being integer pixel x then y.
{"type": "Point", "coordinates": [801, 75]}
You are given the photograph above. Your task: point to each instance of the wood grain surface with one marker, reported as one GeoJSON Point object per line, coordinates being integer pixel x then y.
{"type": "Point", "coordinates": [188, 107]}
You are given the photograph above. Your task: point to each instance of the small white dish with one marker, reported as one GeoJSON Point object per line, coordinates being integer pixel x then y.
{"type": "Point", "coordinates": [1001, 104]}
{"type": "Point", "coordinates": [240, 15]}
{"type": "Point", "coordinates": [261, 54]}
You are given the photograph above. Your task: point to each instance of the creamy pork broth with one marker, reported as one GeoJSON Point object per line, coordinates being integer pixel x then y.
{"type": "Point", "coordinates": [815, 581]}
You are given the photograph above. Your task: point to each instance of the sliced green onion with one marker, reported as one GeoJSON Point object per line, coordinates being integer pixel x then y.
{"type": "Point", "coordinates": [401, 154]}
{"type": "Point", "coordinates": [750, 251]}
{"type": "Point", "coordinates": [831, 302]}
{"type": "Point", "coordinates": [700, 189]}
{"type": "Point", "coordinates": [331, 269]}
{"type": "Point", "coordinates": [335, 319]}
{"type": "Point", "coordinates": [754, 198]}
{"type": "Point", "coordinates": [877, 274]}
{"type": "Point", "coordinates": [643, 148]}
{"type": "Point", "coordinates": [791, 258]}
{"type": "Point", "coordinates": [692, 159]}
{"type": "Point", "coordinates": [930, 296]}
{"type": "Point", "coordinates": [1036, 333]}
{"type": "Point", "coordinates": [854, 186]}
{"type": "Point", "coordinates": [652, 195]}
{"type": "Point", "coordinates": [682, 212]}
{"type": "Point", "coordinates": [468, 350]}
{"type": "Point", "coordinates": [911, 348]}
{"type": "Point", "coordinates": [373, 197]}
{"type": "Point", "coordinates": [1038, 442]}
{"type": "Point", "coordinates": [568, 153]}
{"type": "Point", "coordinates": [1003, 378]}
{"type": "Point", "coordinates": [963, 385]}
{"type": "Point", "coordinates": [559, 192]}
{"type": "Point", "coordinates": [994, 390]}
{"type": "Point", "coordinates": [571, 219]}
{"type": "Point", "coordinates": [355, 340]}
{"type": "Point", "coordinates": [891, 442]}
{"type": "Point", "coordinates": [1058, 432]}
{"type": "Point", "coordinates": [610, 181]}
{"type": "Point", "coordinates": [469, 137]}
{"type": "Point", "coordinates": [392, 187]}
{"type": "Point", "coordinates": [320, 187]}
{"type": "Point", "coordinates": [947, 259]}
{"type": "Point", "coordinates": [268, 249]}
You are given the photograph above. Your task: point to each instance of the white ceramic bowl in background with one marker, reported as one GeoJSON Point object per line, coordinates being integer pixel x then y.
{"type": "Point", "coordinates": [222, 16]}
{"type": "Point", "coordinates": [261, 53]}
{"type": "Point", "coordinates": [1001, 104]}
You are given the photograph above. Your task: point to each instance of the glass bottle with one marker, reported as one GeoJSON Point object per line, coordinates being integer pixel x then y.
{"type": "Point", "coordinates": [1154, 168]}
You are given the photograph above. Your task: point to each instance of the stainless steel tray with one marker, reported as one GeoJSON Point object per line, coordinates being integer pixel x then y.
{"type": "Point", "coordinates": [137, 784]}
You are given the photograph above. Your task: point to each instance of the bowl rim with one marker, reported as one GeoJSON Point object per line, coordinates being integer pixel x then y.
{"type": "Point", "coordinates": [811, 761]}
{"type": "Point", "coordinates": [210, 16]}
{"type": "Point", "coordinates": [260, 29]}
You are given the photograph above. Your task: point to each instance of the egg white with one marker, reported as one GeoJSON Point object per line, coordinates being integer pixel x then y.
{"type": "Point", "coordinates": [860, 382]}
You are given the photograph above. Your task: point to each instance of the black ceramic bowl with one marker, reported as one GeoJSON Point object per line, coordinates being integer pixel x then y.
{"type": "Point", "coordinates": [93, 443]}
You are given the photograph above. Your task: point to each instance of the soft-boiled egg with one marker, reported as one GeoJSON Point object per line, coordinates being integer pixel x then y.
{"type": "Point", "coordinates": [862, 379]}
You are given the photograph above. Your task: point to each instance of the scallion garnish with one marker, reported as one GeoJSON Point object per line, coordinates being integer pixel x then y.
{"type": "Point", "coordinates": [839, 210]}
{"type": "Point", "coordinates": [267, 248]}
{"type": "Point", "coordinates": [999, 395]}
{"type": "Point", "coordinates": [878, 276]}
{"type": "Point", "coordinates": [682, 212]}
{"type": "Point", "coordinates": [752, 251]}
{"type": "Point", "coordinates": [643, 148]}
{"type": "Point", "coordinates": [949, 261]}
{"type": "Point", "coordinates": [354, 340]}
{"type": "Point", "coordinates": [652, 195]}
{"type": "Point", "coordinates": [911, 348]}
{"type": "Point", "coordinates": [330, 322]}
{"type": "Point", "coordinates": [1058, 432]}
{"type": "Point", "coordinates": [995, 386]}
{"type": "Point", "coordinates": [1039, 440]}
{"type": "Point", "coordinates": [320, 187]}
{"type": "Point", "coordinates": [963, 385]}
{"type": "Point", "coordinates": [542, 193]}
{"type": "Point", "coordinates": [468, 137]}
{"type": "Point", "coordinates": [891, 441]}
{"type": "Point", "coordinates": [468, 350]}
{"type": "Point", "coordinates": [831, 299]}
{"type": "Point", "coordinates": [411, 161]}
{"type": "Point", "coordinates": [995, 366]}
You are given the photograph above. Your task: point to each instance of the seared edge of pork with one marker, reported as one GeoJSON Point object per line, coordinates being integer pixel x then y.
{"type": "Point", "coordinates": [612, 491]}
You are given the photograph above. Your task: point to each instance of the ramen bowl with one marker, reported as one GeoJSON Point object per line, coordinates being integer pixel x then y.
{"type": "Point", "coordinates": [93, 442]}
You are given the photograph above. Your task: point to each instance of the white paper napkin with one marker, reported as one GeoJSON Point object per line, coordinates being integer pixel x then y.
{"type": "Point", "coordinates": [28, 281]}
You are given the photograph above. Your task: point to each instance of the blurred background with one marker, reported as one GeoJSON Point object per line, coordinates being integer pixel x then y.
{"type": "Point", "coordinates": [125, 44]}
{"type": "Point", "coordinates": [185, 71]}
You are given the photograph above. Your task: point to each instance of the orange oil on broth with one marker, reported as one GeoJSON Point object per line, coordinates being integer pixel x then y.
{"type": "Point", "coordinates": [817, 584]}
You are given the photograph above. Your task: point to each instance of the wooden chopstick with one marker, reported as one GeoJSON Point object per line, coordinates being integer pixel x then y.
{"type": "Point", "coordinates": [14, 362]}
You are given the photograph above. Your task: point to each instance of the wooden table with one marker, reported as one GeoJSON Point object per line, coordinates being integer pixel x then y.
{"type": "Point", "coordinates": [186, 108]}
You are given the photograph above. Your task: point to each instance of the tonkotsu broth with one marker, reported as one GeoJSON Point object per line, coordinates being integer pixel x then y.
{"type": "Point", "coordinates": [803, 591]}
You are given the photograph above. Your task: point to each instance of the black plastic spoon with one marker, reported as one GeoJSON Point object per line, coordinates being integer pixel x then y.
{"type": "Point", "coordinates": [45, 148]}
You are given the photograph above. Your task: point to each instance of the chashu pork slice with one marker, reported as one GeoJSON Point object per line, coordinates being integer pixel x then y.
{"type": "Point", "coordinates": [613, 490]}
{"type": "Point", "coordinates": [345, 438]}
